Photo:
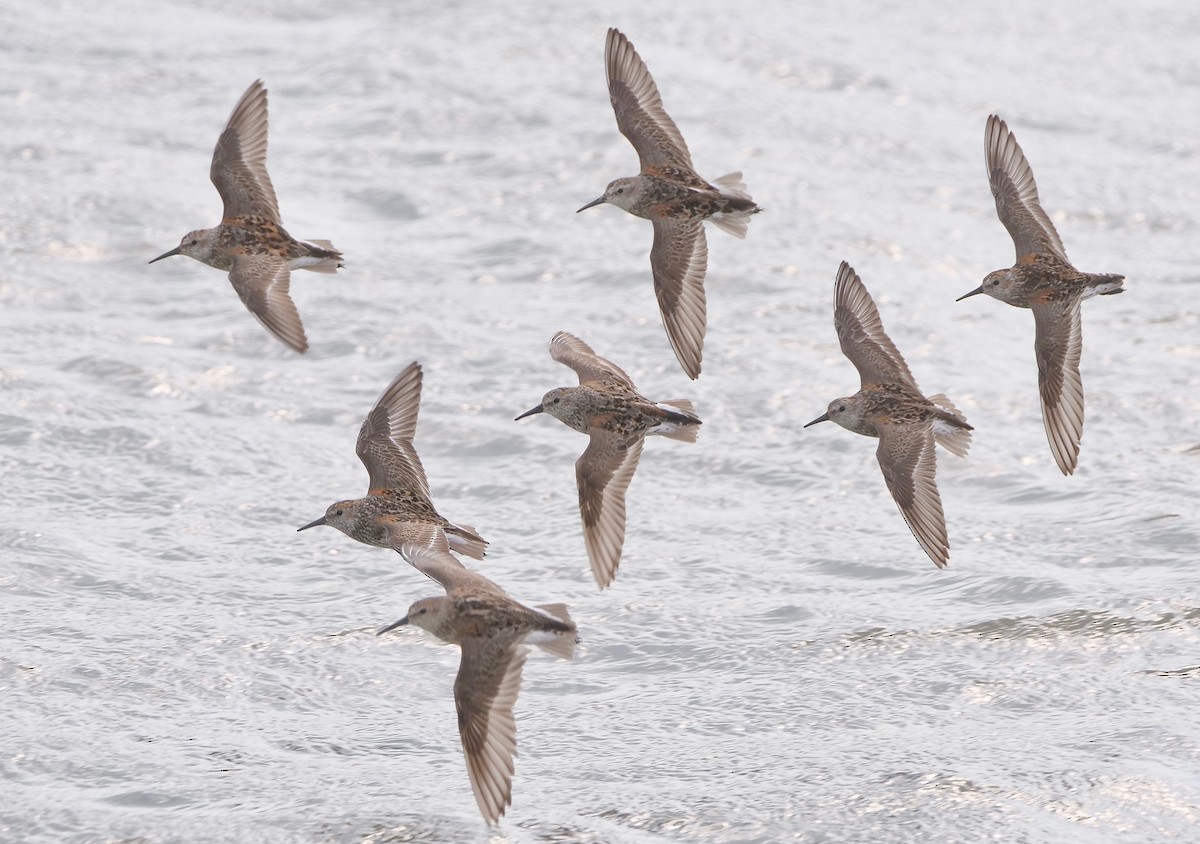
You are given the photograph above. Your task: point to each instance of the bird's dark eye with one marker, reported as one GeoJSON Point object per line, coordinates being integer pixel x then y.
{"type": "Point", "coordinates": [841, 408]}
{"type": "Point", "coordinates": [555, 401]}
{"type": "Point", "coordinates": [193, 243]}
{"type": "Point", "coordinates": [994, 283]}
{"type": "Point", "coordinates": [422, 612]}
{"type": "Point", "coordinates": [620, 190]}
{"type": "Point", "coordinates": [338, 513]}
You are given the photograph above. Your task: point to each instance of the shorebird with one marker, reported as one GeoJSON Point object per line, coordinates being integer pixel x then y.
{"type": "Point", "coordinates": [617, 419]}
{"type": "Point", "coordinates": [892, 407]}
{"type": "Point", "coordinates": [250, 243]}
{"type": "Point", "coordinates": [492, 630]}
{"type": "Point", "coordinates": [397, 501]}
{"type": "Point", "coordinates": [1043, 280]}
{"type": "Point", "coordinates": [670, 193]}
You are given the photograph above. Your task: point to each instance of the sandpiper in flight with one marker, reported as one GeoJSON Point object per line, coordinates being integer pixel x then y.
{"type": "Point", "coordinates": [397, 500]}
{"type": "Point", "coordinates": [491, 628]}
{"type": "Point", "coordinates": [670, 193]}
{"type": "Point", "coordinates": [1043, 280]}
{"type": "Point", "coordinates": [892, 407]}
{"type": "Point", "coordinates": [251, 243]}
{"type": "Point", "coordinates": [617, 418]}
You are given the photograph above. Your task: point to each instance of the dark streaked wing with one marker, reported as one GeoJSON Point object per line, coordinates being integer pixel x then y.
{"type": "Point", "coordinates": [1016, 194]}
{"type": "Point", "coordinates": [239, 165]}
{"type": "Point", "coordinates": [860, 332]}
{"type": "Point", "coordinates": [678, 261]}
{"type": "Point", "coordinates": [485, 691]}
{"type": "Point", "coordinates": [906, 456]}
{"type": "Point", "coordinates": [639, 109]}
{"type": "Point", "coordinates": [385, 439]}
{"type": "Point", "coordinates": [589, 366]}
{"type": "Point", "coordinates": [603, 474]}
{"type": "Point", "coordinates": [1058, 345]}
{"type": "Point", "coordinates": [262, 282]}
{"type": "Point", "coordinates": [426, 549]}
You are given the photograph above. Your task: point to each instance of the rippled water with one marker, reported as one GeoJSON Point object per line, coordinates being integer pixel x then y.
{"type": "Point", "coordinates": [777, 660]}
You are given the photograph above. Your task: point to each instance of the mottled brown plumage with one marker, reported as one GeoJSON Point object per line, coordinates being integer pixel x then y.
{"type": "Point", "coordinates": [617, 419]}
{"type": "Point", "coordinates": [398, 499]}
{"type": "Point", "coordinates": [1044, 280]}
{"type": "Point", "coordinates": [251, 243]}
{"type": "Point", "coordinates": [892, 407]}
{"type": "Point", "coordinates": [670, 193]}
{"type": "Point", "coordinates": [491, 628]}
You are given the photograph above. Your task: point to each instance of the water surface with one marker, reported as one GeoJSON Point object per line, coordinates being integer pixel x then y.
{"type": "Point", "coordinates": [777, 659]}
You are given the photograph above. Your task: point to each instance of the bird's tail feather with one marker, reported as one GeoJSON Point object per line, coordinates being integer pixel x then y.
{"type": "Point", "coordinates": [465, 540]}
{"type": "Point", "coordinates": [326, 250]}
{"type": "Point", "coordinates": [950, 428]}
{"type": "Point", "coordinates": [561, 643]}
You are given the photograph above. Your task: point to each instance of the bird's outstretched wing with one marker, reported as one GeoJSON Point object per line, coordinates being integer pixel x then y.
{"type": "Point", "coordinates": [262, 282]}
{"type": "Point", "coordinates": [860, 332]}
{"type": "Point", "coordinates": [639, 109]}
{"type": "Point", "coordinates": [426, 548]}
{"type": "Point", "coordinates": [603, 474]}
{"type": "Point", "coordinates": [385, 439]}
{"type": "Point", "coordinates": [589, 366]}
{"type": "Point", "coordinates": [489, 677]}
{"type": "Point", "coordinates": [239, 164]}
{"type": "Point", "coordinates": [679, 261]}
{"type": "Point", "coordinates": [906, 456]}
{"type": "Point", "coordinates": [1016, 194]}
{"type": "Point", "coordinates": [1058, 344]}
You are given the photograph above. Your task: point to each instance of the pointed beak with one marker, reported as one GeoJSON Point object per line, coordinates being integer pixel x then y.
{"type": "Point", "coordinates": [974, 292]}
{"type": "Point", "coordinates": [824, 417]}
{"type": "Point", "coordinates": [174, 251]}
{"type": "Point", "coordinates": [592, 204]}
{"type": "Point", "coordinates": [392, 626]}
{"type": "Point", "coordinates": [319, 521]}
{"type": "Point", "coordinates": [530, 412]}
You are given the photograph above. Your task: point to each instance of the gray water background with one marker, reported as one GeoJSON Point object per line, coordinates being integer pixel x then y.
{"type": "Point", "coordinates": [777, 660]}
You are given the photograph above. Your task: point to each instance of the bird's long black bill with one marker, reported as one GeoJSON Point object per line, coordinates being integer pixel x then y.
{"type": "Point", "coordinates": [530, 412]}
{"type": "Point", "coordinates": [174, 251]}
{"type": "Point", "coordinates": [824, 417]}
{"type": "Point", "coordinates": [392, 626]}
{"type": "Point", "coordinates": [319, 521]}
{"type": "Point", "coordinates": [592, 204]}
{"type": "Point", "coordinates": [974, 292]}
